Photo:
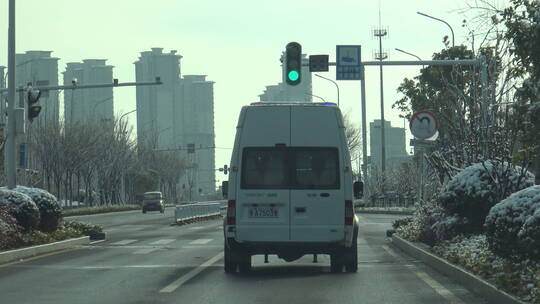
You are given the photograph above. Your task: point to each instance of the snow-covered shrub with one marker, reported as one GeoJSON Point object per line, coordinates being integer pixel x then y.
{"type": "Point", "coordinates": [472, 192]}
{"type": "Point", "coordinates": [23, 208]}
{"type": "Point", "coordinates": [49, 208]}
{"type": "Point", "coordinates": [10, 231]}
{"type": "Point", "coordinates": [450, 227]}
{"type": "Point", "coordinates": [512, 225]}
{"type": "Point", "coordinates": [420, 227]}
{"type": "Point", "coordinates": [402, 222]}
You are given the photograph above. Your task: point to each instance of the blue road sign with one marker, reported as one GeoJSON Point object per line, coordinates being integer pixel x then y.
{"type": "Point", "coordinates": [22, 156]}
{"type": "Point", "coordinates": [349, 62]}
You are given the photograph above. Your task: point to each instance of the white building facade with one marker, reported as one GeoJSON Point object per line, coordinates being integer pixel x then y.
{"type": "Point", "coordinates": [395, 145]}
{"type": "Point", "coordinates": [176, 115]}
{"type": "Point", "coordinates": [85, 105]}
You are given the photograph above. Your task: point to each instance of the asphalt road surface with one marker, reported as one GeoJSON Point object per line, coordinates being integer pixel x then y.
{"type": "Point", "coordinates": [146, 260]}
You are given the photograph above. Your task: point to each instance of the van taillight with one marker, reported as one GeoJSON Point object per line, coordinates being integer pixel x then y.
{"type": "Point", "coordinates": [231, 212]}
{"type": "Point", "coordinates": [349, 213]}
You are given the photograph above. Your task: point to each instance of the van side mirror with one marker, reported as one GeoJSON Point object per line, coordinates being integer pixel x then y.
{"type": "Point", "coordinates": [225, 188]}
{"type": "Point", "coordinates": [358, 189]}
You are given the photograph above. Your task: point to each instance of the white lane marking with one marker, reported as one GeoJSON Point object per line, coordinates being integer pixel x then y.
{"type": "Point", "coordinates": [201, 246]}
{"type": "Point", "coordinates": [200, 242]}
{"type": "Point", "coordinates": [196, 227]}
{"type": "Point", "coordinates": [123, 242]}
{"type": "Point", "coordinates": [190, 275]}
{"type": "Point", "coordinates": [145, 250]}
{"type": "Point", "coordinates": [441, 290]}
{"type": "Point", "coordinates": [163, 242]}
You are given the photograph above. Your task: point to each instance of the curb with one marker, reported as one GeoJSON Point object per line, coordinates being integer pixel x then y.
{"type": "Point", "coordinates": [23, 253]}
{"type": "Point", "coordinates": [470, 281]}
{"type": "Point", "coordinates": [385, 212]}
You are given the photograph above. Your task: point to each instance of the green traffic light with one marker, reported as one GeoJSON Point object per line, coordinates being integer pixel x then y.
{"type": "Point", "coordinates": [293, 75]}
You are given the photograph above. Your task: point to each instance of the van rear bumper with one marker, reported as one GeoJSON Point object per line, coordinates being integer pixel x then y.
{"type": "Point", "coordinates": [284, 248]}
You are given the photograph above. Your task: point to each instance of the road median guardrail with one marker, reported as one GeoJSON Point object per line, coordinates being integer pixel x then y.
{"type": "Point", "coordinates": [189, 213]}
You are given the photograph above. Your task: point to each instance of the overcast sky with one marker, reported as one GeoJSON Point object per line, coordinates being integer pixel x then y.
{"type": "Point", "coordinates": [237, 43]}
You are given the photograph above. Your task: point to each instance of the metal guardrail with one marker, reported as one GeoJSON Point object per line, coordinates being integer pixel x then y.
{"type": "Point", "coordinates": [200, 210]}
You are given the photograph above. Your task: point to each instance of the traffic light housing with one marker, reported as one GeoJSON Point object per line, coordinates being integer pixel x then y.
{"type": "Point", "coordinates": [293, 63]}
{"type": "Point", "coordinates": [33, 109]}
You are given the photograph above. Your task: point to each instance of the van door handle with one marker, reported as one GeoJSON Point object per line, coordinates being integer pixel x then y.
{"type": "Point", "coordinates": [300, 209]}
{"type": "Point", "coordinates": [325, 194]}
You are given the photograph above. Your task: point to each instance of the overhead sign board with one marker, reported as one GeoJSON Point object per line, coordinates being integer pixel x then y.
{"type": "Point", "coordinates": [423, 124]}
{"type": "Point", "coordinates": [348, 62]}
{"type": "Point", "coordinates": [318, 63]}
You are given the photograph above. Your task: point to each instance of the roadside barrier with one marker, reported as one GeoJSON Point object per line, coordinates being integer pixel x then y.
{"type": "Point", "coordinates": [197, 211]}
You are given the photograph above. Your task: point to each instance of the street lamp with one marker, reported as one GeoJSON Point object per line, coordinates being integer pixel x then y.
{"type": "Point", "coordinates": [410, 54]}
{"type": "Point", "coordinates": [100, 102]}
{"type": "Point", "coordinates": [316, 96]}
{"type": "Point", "coordinates": [337, 87]}
{"type": "Point", "coordinates": [120, 119]}
{"type": "Point", "coordinates": [426, 15]}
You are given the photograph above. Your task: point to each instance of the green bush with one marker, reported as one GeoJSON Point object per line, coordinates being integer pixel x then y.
{"type": "Point", "coordinates": [10, 231]}
{"type": "Point", "coordinates": [84, 228]}
{"type": "Point", "coordinates": [473, 191]}
{"type": "Point", "coordinates": [512, 225]}
{"type": "Point", "coordinates": [49, 208]}
{"type": "Point", "coordinates": [23, 208]}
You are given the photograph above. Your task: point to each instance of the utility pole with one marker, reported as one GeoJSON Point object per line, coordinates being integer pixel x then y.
{"type": "Point", "coordinates": [10, 165]}
{"type": "Point", "coordinates": [380, 33]}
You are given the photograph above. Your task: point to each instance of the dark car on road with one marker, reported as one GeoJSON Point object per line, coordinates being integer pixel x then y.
{"type": "Point", "coordinates": [153, 201]}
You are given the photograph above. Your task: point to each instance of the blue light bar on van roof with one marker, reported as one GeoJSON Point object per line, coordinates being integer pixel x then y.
{"type": "Point", "coordinates": [329, 104]}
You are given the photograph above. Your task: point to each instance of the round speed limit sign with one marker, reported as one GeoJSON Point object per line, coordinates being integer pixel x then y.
{"type": "Point", "coordinates": [423, 124]}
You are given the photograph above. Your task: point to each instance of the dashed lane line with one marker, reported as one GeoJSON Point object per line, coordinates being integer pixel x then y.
{"type": "Point", "coordinates": [441, 290]}
{"type": "Point", "coordinates": [163, 242]}
{"type": "Point", "coordinates": [145, 250]}
{"type": "Point", "coordinates": [200, 241]}
{"type": "Point", "coordinates": [190, 275]}
{"type": "Point", "coordinates": [123, 242]}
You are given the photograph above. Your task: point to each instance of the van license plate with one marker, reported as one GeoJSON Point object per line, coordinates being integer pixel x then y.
{"type": "Point", "coordinates": [263, 212]}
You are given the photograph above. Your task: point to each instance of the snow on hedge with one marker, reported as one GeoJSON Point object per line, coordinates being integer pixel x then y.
{"type": "Point", "coordinates": [513, 225]}
{"type": "Point", "coordinates": [477, 188]}
{"type": "Point", "coordinates": [25, 211]}
{"type": "Point", "coordinates": [10, 235]}
{"type": "Point", "coordinates": [49, 208]}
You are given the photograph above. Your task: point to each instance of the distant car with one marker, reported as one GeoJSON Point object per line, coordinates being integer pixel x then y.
{"type": "Point", "coordinates": [153, 201]}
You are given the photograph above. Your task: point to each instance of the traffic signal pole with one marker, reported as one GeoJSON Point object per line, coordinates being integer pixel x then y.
{"type": "Point", "coordinates": [9, 165]}
{"type": "Point", "coordinates": [10, 159]}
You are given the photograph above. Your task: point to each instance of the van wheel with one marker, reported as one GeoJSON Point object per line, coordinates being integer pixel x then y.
{"type": "Point", "coordinates": [229, 263]}
{"type": "Point", "coordinates": [245, 263]}
{"type": "Point", "coordinates": [351, 257]}
{"type": "Point", "coordinates": [336, 262]}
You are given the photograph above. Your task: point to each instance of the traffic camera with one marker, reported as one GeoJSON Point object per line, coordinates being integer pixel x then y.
{"type": "Point", "coordinates": [293, 63]}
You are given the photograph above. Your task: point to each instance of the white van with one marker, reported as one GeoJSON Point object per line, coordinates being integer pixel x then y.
{"type": "Point", "coordinates": [290, 188]}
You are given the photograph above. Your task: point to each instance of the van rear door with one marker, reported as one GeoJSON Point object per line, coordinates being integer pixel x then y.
{"type": "Point", "coordinates": [317, 198]}
{"type": "Point", "coordinates": [262, 201]}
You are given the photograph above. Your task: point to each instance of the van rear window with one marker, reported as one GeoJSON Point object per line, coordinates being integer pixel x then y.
{"type": "Point", "coordinates": [264, 168]}
{"type": "Point", "coordinates": [290, 168]}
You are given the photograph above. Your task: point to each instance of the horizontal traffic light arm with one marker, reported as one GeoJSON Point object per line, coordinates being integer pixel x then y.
{"type": "Point", "coordinates": [89, 86]}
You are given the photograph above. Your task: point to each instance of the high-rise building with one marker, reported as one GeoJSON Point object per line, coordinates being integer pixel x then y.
{"type": "Point", "coordinates": [40, 69]}
{"type": "Point", "coordinates": [3, 96]}
{"type": "Point", "coordinates": [88, 104]}
{"type": "Point", "coordinates": [284, 92]}
{"type": "Point", "coordinates": [395, 148]}
{"type": "Point", "coordinates": [179, 116]}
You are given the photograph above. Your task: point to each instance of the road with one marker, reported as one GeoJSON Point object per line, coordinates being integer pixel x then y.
{"type": "Point", "coordinates": [146, 260]}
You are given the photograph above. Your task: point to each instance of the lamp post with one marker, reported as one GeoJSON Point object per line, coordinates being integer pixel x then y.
{"type": "Point", "coordinates": [316, 96]}
{"type": "Point", "coordinates": [337, 87]}
{"type": "Point", "coordinates": [120, 119]}
{"type": "Point", "coordinates": [451, 30]}
{"type": "Point", "coordinates": [410, 54]}
{"type": "Point", "coordinates": [100, 102]}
